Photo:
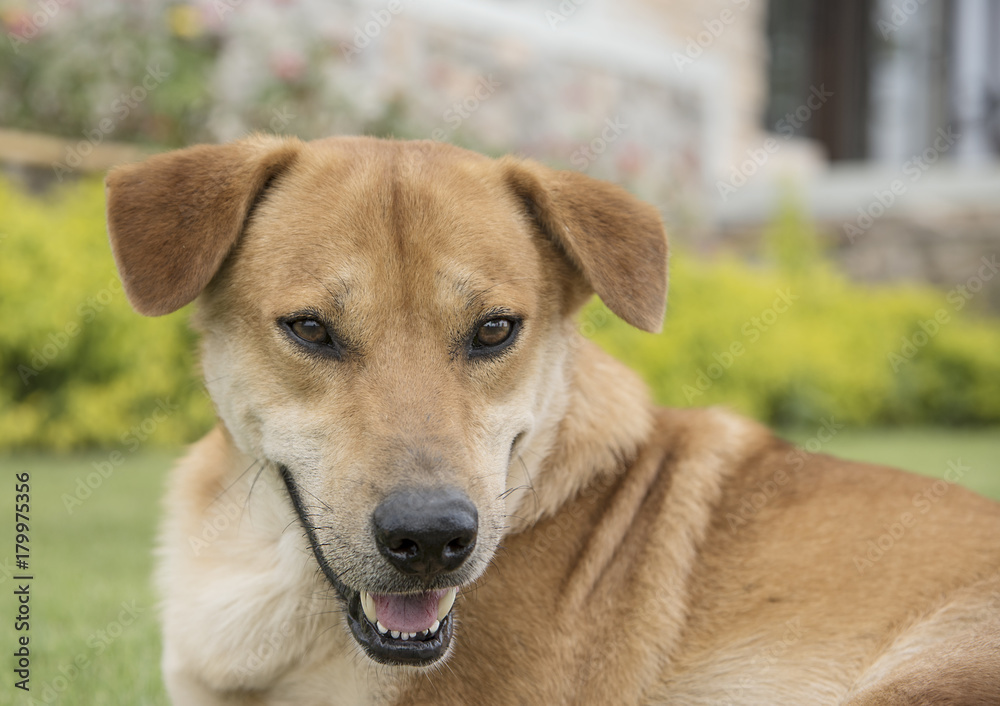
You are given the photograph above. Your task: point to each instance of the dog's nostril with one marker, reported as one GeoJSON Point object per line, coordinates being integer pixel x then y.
{"type": "Point", "coordinates": [426, 531]}
{"type": "Point", "coordinates": [404, 548]}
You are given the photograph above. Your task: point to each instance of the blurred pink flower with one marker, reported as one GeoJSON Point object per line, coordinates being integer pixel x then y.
{"type": "Point", "coordinates": [630, 159]}
{"type": "Point", "coordinates": [288, 65]}
{"type": "Point", "coordinates": [19, 23]}
{"type": "Point", "coordinates": [210, 18]}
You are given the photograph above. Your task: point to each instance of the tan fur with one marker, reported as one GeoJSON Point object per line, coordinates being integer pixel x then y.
{"type": "Point", "coordinates": [617, 560]}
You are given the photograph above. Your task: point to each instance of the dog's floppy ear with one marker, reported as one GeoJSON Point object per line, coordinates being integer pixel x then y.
{"type": "Point", "coordinates": [174, 218]}
{"type": "Point", "coordinates": [615, 241]}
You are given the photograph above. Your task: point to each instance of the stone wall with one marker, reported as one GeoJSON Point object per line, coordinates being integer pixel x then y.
{"type": "Point", "coordinates": [942, 228]}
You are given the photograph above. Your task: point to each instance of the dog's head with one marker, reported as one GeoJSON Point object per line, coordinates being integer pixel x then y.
{"type": "Point", "coordinates": [387, 325]}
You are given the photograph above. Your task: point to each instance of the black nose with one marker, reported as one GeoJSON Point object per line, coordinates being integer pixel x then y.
{"type": "Point", "coordinates": [426, 531]}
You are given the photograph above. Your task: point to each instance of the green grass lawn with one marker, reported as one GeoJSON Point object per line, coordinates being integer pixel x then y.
{"type": "Point", "coordinates": [924, 451]}
{"type": "Point", "coordinates": [92, 565]}
{"type": "Point", "coordinates": [91, 573]}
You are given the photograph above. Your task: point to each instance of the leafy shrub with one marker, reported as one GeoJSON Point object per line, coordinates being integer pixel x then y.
{"type": "Point", "coordinates": [797, 341]}
{"type": "Point", "coordinates": [82, 369]}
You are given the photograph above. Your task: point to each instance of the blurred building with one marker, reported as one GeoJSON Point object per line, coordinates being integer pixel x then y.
{"type": "Point", "coordinates": [879, 118]}
{"type": "Point", "coordinates": [905, 177]}
{"type": "Point", "coordinates": [660, 96]}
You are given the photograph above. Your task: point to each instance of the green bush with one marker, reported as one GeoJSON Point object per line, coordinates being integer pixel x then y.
{"type": "Point", "coordinates": [860, 354]}
{"type": "Point", "coordinates": [81, 369]}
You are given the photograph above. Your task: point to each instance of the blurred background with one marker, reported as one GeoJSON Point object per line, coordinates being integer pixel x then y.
{"type": "Point", "coordinates": [829, 174]}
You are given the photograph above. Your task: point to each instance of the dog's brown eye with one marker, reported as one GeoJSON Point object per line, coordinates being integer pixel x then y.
{"type": "Point", "coordinates": [312, 334]}
{"type": "Point", "coordinates": [492, 333]}
{"type": "Point", "coordinates": [310, 331]}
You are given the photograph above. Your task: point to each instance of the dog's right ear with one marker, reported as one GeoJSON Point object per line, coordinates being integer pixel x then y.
{"type": "Point", "coordinates": [174, 218]}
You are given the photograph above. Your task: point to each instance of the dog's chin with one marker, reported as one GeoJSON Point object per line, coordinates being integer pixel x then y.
{"type": "Point", "coordinates": [390, 647]}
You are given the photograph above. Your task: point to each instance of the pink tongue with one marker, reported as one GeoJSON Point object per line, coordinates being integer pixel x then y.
{"type": "Point", "coordinates": [407, 613]}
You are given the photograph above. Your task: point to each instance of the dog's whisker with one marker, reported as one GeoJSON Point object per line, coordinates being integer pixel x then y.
{"type": "Point", "coordinates": [246, 503]}
{"type": "Point", "coordinates": [209, 381]}
{"type": "Point", "coordinates": [506, 493]}
{"type": "Point", "coordinates": [319, 500]}
{"type": "Point", "coordinates": [515, 516]}
{"type": "Point", "coordinates": [531, 483]}
{"type": "Point", "coordinates": [339, 611]}
{"type": "Point", "coordinates": [229, 487]}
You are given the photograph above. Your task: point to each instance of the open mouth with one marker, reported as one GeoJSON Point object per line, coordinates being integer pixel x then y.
{"type": "Point", "coordinates": [394, 628]}
{"type": "Point", "coordinates": [413, 629]}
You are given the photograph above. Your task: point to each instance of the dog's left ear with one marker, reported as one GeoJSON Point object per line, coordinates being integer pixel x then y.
{"type": "Point", "coordinates": [615, 241]}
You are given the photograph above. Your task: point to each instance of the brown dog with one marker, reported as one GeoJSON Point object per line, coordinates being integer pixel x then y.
{"type": "Point", "coordinates": [406, 410]}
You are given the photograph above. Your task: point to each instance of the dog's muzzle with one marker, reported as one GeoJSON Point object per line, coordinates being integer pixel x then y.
{"type": "Point", "coordinates": [424, 533]}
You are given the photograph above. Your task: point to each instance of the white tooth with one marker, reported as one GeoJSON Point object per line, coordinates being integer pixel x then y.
{"type": "Point", "coordinates": [381, 628]}
{"type": "Point", "coordinates": [395, 634]}
{"type": "Point", "coordinates": [423, 633]}
{"type": "Point", "coordinates": [434, 628]}
{"type": "Point", "coordinates": [446, 602]}
{"type": "Point", "coordinates": [368, 606]}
